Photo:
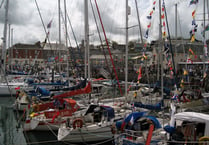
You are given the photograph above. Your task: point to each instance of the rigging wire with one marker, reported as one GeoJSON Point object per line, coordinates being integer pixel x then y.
{"type": "Point", "coordinates": [175, 77]}
{"type": "Point", "coordinates": [43, 24]}
{"type": "Point", "coordinates": [101, 40]}
{"type": "Point", "coordinates": [78, 48]}
{"type": "Point", "coordinates": [1, 3]}
{"type": "Point", "coordinates": [108, 48]}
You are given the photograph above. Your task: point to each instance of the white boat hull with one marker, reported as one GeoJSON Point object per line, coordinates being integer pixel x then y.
{"type": "Point", "coordinates": [92, 133]}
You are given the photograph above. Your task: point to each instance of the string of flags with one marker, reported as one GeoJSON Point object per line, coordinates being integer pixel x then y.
{"type": "Point", "coordinates": [166, 44]}
{"type": "Point", "coordinates": [149, 18]}
{"type": "Point", "coordinates": [194, 25]}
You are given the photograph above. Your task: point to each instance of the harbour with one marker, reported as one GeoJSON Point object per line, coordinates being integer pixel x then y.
{"type": "Point", "coordinates": [140, 81]}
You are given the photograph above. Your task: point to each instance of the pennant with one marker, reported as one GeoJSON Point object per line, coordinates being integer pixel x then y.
{"type": "Point", "coordinates": [163, 23]}
{"type": "Point", "coordinates": [154, 2]}
{"type": "Point", "coordinates": [49, 25]}
{"type": "Point", "coordinates": [193, 22]}
{"type": "Point", "coordinates": [162, 16]}
{"type": "Point", "coordinates": [163, 9]}
{"type": "Point", "coordinates": [164, 34]}
{"type": "Point", "coordinates": [148, 26]}
{"type": "Point", "coordinates": [193, 13]}
{"type": "Point", "coordinates": [149, 17]}
{"type": "Point", "coordinates": [140, 73]}
{"type": "Point", "coordinates": [192, 38]}
{"type": "Point", "coordinates": [151, 13]}
{"type": "Point", "coordinates": [191, 51]}
{"type": "Point", "coordinates": [193, 2]}
{"type": "Point", "coordinates": [146, 34]}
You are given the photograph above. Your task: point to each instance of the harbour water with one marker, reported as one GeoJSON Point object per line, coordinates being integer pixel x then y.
{"type": "Point", "coordinates": [11, 132]}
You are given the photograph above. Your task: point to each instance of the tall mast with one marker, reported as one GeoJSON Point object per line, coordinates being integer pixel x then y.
{"type": "Point", "coordinates": [161, 48]}
{"type": "Point", "coordinates": [3, 55]}
{"type": "Point", "coordinates": [12, 49]}
{"type": "Point", "coordinates": [9, 44]}
{"type": "Point", "coordinates": [126, 61]}
{"type": "Point", "coordinates": [59, 20]}
{"type": "Point", "coordinates": [86, 39]}
{"type": "Point", "coordinates": [66, 38]}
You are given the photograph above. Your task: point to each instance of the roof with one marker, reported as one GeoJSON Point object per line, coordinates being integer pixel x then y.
{"type": "Point", "coordinates": [192, 117]}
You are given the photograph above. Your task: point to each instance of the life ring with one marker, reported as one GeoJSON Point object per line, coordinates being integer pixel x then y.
{"type": "Point", "coordinates": [202, 139]}
{"type": "Point", "coordinates": [77, 123]}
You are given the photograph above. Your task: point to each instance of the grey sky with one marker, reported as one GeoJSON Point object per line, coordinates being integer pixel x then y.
{"type": "Point", "coordinates": [27, 26]}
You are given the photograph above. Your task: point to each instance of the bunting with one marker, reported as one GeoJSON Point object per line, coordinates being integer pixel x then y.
{"type": "Point", "coordinates": [164, 35]}
{"type": "Point", "coordinates": [140, 73]}
{"type": "Point", "coordinates": [193, 2]}
{"type": "Point", "coordinates": [194, 25]}
{"type": "Point", "coordinates": [149, 17]}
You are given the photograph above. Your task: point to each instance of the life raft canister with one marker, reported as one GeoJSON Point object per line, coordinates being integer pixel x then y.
{"type": "Point", "coordinates": [77, 123]}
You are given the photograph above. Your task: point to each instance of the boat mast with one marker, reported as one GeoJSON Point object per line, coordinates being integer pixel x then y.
{"type": "Point", "coordinates": [86, 27]}
{"type": "Point", "coordinates": [66, 39]}
{"type": "Point", "coordinates": [12, 49]}
{"type": "Point", "coordinates": [126, 61]}
{"type": "Point", "coordinates": [3, 54]}
{"type": "Point", "coordinates": [59, 15]}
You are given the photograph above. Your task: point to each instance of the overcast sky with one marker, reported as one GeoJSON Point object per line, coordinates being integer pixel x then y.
{"type": "Point", "coordinates": [27, 26]}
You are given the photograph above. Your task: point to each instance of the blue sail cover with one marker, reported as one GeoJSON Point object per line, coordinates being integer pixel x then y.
{"type": "Point", "coordinates": [157, 106]}
{"type": "Point", "coordinates": [135, 115]}
{"type": "Point", "coordinates": [154, 121]}
{"type": "Point", "coordinates": [82, 84]}
{"type": "Point", "coordinates": [43, 91]}
{"type": "Point", "coordinates": [110, 112]}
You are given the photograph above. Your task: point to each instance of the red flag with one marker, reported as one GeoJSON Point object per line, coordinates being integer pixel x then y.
{"type": "Point", "coordinates": [193, 13]}
{"type": "Point", "coordinates": [162, 16]}
{"type": "Point", "coordinates": [140, 73]}
{"type": "Point", "coordinates": [164, 23]}
{"type": "Point", "coordinates": [148, 26]}
{"type": "Point", "coordinates": [151, 13]}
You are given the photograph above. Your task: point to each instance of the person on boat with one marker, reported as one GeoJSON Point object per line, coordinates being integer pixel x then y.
{"type": "Point", "coordinates": [177, 137]}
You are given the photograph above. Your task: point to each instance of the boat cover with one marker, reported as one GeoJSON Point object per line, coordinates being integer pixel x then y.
{"type": "Point", "coordinates": [148, 106]}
